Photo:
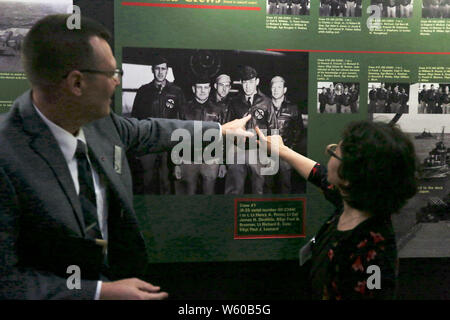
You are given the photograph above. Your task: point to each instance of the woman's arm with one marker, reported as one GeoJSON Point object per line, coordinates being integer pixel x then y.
{"type": "Point", "coordinates": [301, 164]}
{"type": "Point", "coordinates": [309, 169]}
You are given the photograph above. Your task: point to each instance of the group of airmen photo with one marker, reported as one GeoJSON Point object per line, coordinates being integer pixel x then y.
{"type": "Point", "coordinates": [394, 8]}
{"type": "Point", "coordinates": [388, 98]}
{"type": "Point", "coordinates": [434, 98]}
{"type": "Point", "coordinates": [436, 9]}
{"type": "Point", "coordinates": [338, 97]}
{"type": "Point", "coordinates": [340, 8]}
{"type": "Point", "coordinates": [216, 99]}
{"type": "Point", "coordinates": [353, 8]}
{"type": "Point", "coordinates": [290, 7]}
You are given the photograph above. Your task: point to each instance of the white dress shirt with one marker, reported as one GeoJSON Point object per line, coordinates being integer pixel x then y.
{"type": "Point", "coordinates": [68, 145]}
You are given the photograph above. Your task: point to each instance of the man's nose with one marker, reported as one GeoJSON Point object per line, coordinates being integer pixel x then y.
{"type": "Point", "coordinates": [117, 81]}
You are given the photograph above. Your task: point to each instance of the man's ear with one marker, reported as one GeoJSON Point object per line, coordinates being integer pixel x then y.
{"type": "Point", "coordinates": [284, 90]}
{"type": "Point", "coordinates": [257, 82]}
{"type": "Point", "coordinates": [193, 89]}
{"type": "Point", "coordinates": [74, 82]}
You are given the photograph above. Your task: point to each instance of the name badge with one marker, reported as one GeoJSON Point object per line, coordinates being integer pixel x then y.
{"type": "Point", "coordinates": [118, 159]}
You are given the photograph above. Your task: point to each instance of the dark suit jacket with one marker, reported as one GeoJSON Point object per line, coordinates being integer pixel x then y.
{"type": "Point", "coordinates": [41, 222]}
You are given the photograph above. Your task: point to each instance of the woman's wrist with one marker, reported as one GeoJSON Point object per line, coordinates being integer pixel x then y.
{"type": "Point", "coordinates": [283, 151]}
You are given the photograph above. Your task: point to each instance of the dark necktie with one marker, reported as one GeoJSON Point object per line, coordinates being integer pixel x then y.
{"type": "Point", "coordinates": [87, 192]}
{"type": "Point", "coordinates": [249, 102]}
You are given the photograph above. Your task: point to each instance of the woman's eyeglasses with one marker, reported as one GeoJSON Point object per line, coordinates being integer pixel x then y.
{"type": "Point", "coordinates": [330, 150]}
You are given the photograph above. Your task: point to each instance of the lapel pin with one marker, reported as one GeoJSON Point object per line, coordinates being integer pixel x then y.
{"type": "Point", "coordinates": [118, 159]}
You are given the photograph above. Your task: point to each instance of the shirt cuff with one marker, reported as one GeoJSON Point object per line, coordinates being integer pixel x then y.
{"type": "Point", "coordinates": [99, 289]}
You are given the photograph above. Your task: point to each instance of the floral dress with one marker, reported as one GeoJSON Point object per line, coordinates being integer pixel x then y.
{"type": "Point", "coordinates": [360, 263]}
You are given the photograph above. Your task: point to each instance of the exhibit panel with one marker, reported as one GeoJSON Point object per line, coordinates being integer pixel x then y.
{"type": "Point", "coordinates": [348, 52]}
{"type": "Point", "coordinates": [313, 66]}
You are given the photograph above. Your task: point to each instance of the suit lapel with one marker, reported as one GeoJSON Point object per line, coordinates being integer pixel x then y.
{"type": "Point", "coordinates": [46, 146]}
{"type": "Point", "coordinates": [109, 160]}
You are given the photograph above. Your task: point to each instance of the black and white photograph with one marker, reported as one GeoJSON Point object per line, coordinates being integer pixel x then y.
{"type": "Point", "coordinates": [340, 8]}
{"type": "Point", "coordinates": [422, 225]}
{"type": "Point", "coordinates": [394, 8]}
{"type": "Point", "coordinates": [288, 7]}
{"type": "Point", "coordinates": [16, 19]}
{"type": "Point", "coordinates": [217, 85]}
{"type": "Point", "coordinates": [337, 97]}
{"type": "Point", "coordinates": [433, 98]}
{"type": "Point", "coordinates": [386, 97]}
{"type": "Point", "coordinates": [437, 9]}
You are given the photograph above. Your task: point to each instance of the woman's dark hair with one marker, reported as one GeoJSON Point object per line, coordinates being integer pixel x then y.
{"type": "Point", "coordinates": [51, 50]}
{"type": "Point", "coordinates": [380, 166]}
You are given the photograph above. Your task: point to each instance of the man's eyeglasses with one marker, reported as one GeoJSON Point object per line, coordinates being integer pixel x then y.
{"type": "Point", "coordinates": [116, 73]}
{"type": "Point", "coordinates": [330, 150]}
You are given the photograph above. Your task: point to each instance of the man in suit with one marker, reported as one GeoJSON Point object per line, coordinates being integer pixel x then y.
{"type": "Point", "coordinates": [65, 184]}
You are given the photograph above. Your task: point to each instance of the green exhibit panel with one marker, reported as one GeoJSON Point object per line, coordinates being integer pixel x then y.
{"type": "Point", "coordinates": [311, 68]}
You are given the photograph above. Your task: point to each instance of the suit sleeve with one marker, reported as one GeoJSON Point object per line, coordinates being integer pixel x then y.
{"type": "Point", "coordinates": [20, 283]}
{"type": "Point", "coordinates": [157, 135]}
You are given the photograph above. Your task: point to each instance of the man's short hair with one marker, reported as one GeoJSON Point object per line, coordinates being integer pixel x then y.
{"type": "Point", "coordinates": [223, 78]}
{"type": "Point", "coordinates": [248, 73]}
{"type": "Point", "coordinates": [51, 50]}
{"type": "Point", "coordinates": [158, 59]}
{"type": "Point", "coordinates": [277, 79]}
{"type": "Point", "coordinates": [202, 79]}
